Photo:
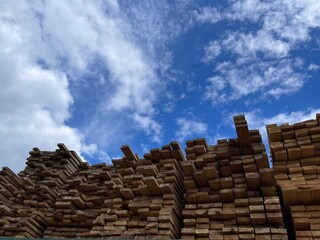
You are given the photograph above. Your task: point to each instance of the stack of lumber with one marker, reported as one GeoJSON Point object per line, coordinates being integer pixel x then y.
{"type": "Point", "coordinates": [77, 204]}
{"type": "Point", "coordinates": [225, 191]}
{"type": "Point", "coordinates": [230, 189]}
{"type": "Point", "coordinates": [133, 198]}
{"type": "Point", "coordinates": [25, 198]}
{"type": "Point", "coordinates": [306, 221]}
{"type": "Point", "coordinates": [9, 183]}
{"type": "Point", "coordinates": [157, 186]}
{"type": "Point", "coordinates": [295, 151]}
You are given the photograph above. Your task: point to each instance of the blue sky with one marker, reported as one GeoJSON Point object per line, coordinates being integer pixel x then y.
{"type": "Point", "coordinates": [99, 74]}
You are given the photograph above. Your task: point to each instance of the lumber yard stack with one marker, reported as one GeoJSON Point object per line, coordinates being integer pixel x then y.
{"type": "Point", "coordinates": [59, 196]}
{"type": "Point", "coordinates": [76, 205]}
{"type": "Point", "coordinates": [143, 198]}
{"type": "Point", "coordinates": [306, 221]}
{"type": "Point", "coordinates": [230, 189]}
{"type": "Point", "coordinates": [225, 191]}
{"type": "Point", "coordinates": [25, 198]}
{"type": "Point", "coordinates": [295, 151]}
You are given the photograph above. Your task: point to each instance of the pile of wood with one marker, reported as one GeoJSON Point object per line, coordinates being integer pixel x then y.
{"type": "Point", "coordinates": [306, 221]}
{"type": "Point", "coordinates": [230, 189]}
{"type": "Point", "coordinates": [295, 151]}
{"type": "Point", "coordinates": [76, 206]}
{"type": "Point", "coordinates": [225, 191]}
{"type": "Point", "coordinates": [144, 196]}
{"type": "Point", "coordinates": [59, 196]}
{"type": "Point", "coordinates": [26, 198]}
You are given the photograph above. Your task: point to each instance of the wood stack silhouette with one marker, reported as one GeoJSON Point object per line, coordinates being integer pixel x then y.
{"type": "Point", "coordinates": [225, 191]}
{"type": "Point", "coordinates": [295, 152]}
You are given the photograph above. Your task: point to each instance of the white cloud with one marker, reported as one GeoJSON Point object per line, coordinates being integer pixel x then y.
{"type": "Point", "coordinates": [34, 101]}
{"type": "Point", "coordinates": [44, 42]}
{"type": "Point", "coordinates": [247, 9]}
{"type": "Point", "coordinates": [99, 29]}
{"type": "Point", "coordinates": [104, 157]}
{"type": "Point", "coordinates": [313, 67]}
{"type": "Point", "coordinates": [249, 45]}
{"type": "Point", "coordinates": [212, 50]}
{"type": "Point", "coordinates": [208, 14]}
{"type": "Point", "coordinates": [291, 20]}
{"type": "Point", "coordinates": [269, 78]}
{"type": "Point", "coordinates": [29, 127]}
{"type": "Point", "coordinates": [188, 128]}
{"type": "Point", "coordinates": [145, 148]}
{"type": "Point", "coordinates": [149, 126]}
{"type": "Point", "coordinates": [214, 92]}
{"type": "Point", "coordinates": [260, 60]}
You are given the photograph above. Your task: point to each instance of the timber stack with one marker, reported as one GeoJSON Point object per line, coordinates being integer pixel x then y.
{"type": "Point", "coordinates": [230, 189]}
{"type": "Point", "coordinates": [134, 198]}
{"type": "Point", "coordinates": [225, 191]}
{"type": "Point", "coordinates": [27, 197]}
{"type": "Point", "coordinates": [59, 196]}
{"type": "Point", "coordinates": [295, 153]}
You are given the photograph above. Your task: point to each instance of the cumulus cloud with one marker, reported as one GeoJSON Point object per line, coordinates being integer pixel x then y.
{"type": "Point", "coordinates": [99, 30]}
{"type": "Point", "coordinates": [47, 46]}
{"type": "Point", "coordinates": [34, 101]}
{"type": "Point", "coordinates": [189, 128]}
{"type": "Point", "coordinates": [260, 57]}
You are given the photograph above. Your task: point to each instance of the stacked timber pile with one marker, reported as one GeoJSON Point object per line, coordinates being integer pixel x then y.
{"type": "Point", "coordinates": [306, 221]}
{"type": "Point", "coordinates": [230, 190]}
{"type": "Point", "coordinates": [77, 204]}
{"type": "Point", "coordinates": [225, 191]}
{"type": "Point", "coordinates": [295, 151]}
{"type": "Point", "coordinates": [134, 198]}
{"type": "Point", "coordinates": [25, 198]}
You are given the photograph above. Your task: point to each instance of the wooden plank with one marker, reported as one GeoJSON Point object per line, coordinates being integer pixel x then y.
{"type": "Point", "coordinates": [267, 177]}
{"type": "Point", "coordinates": [253, 181]}
{"type": "Point", "coordinates": [128, 153]}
